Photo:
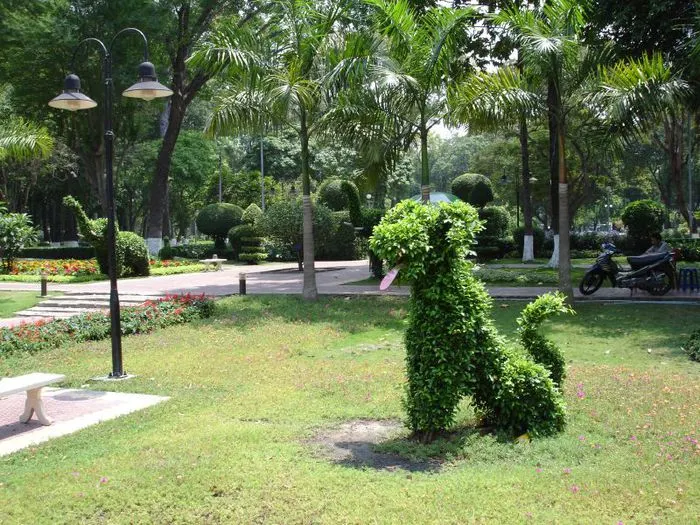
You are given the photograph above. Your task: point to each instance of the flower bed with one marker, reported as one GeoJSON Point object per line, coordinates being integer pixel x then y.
{"type": "Point", "coordinates": [93, 326]}
{"type": "Point", "coordinates": [66, 267]}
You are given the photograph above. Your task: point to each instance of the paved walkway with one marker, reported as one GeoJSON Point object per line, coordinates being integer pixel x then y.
{"type": "Point", "coordinates": [284, 278]}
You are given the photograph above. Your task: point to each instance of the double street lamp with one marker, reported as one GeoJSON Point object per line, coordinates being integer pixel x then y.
{"type": "Point", "coordinates": [72, 99]}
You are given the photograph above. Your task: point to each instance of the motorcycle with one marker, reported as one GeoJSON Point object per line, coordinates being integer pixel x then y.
{"type": "Point", "coordinates": [654, 273]}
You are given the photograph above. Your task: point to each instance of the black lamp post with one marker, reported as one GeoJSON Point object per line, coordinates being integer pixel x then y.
{"type": "Point", "coordinates": [147, 88]}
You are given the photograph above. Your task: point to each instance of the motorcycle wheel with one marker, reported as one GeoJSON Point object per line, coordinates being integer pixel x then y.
{"type": "Point", "coordinates": [665, 285]}
{"type": "Point", "coordinates": [590, 283]}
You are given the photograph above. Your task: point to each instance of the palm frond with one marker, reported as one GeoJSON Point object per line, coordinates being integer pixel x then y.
{"type": "Point", "coordinates": [490, 100]}
{"type": "Point", "coordinates": [20, 140]}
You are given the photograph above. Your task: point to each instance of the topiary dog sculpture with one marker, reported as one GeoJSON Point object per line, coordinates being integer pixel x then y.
{"type": "Point", "coordinates": [452, 347]}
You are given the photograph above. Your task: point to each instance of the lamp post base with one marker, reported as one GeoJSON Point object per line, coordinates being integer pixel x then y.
{"type": "Point", "coordinates": [110, 377]}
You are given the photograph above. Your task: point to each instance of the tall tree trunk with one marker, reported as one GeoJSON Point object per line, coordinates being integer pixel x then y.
{"type": "Point", "coordinates": [159, 188]}
{"type": "Point", "coordinates": [425, 167]}
{"type": "Point", "coordinates": [564, 246]}
{"type": "Point", "coordinates": [309, 292]}
{"type": "Point", "coordinates": [552, 120]}
{"type": "Point", "coordinates": [526, 197]}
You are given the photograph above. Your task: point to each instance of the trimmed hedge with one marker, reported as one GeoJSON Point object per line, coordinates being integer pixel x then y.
{"type": "Point", "coordinates": [63, 252]}
{"type": "Point", "coordinates": [217, 219]}
{"type": "Point", "coordinates": [473, 188]}
{"type": "Point", "coordinates": [94, 326]}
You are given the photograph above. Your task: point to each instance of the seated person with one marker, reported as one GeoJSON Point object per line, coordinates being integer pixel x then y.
{"type": "Point", "coordinates": [657, 245]}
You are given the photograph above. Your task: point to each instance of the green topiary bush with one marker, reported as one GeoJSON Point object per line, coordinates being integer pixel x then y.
{"type": "Point", "coordinates": [642, 219]}
{"type": "Point", "coordinates": [132, 254]}
{"type": "Point", "coordinates": [252, 250]}
{"type": "Point", "coordinates": [341, 245]}
{"type": "Point", "coordinates": [692, 346]}
{"type": "Point", "coordinates": [16, 231]}
{"type": "Point", "coordinates": [452, 348]}
{"type": "Point", "coordinates": [237, 233]}
{"type": "Point", "coordinates": [541, 349]}
{"type": "Point", "coordinates": [331, 194]}
{"type": "Point", "coordinates": [131, 250]}
{"type": "Point", "coordinates": [283, 224]}
{"type": "Point", "coordinates": [252, 214]}
{"type": "Point", "coordinates": [496, 222]}
{"type": "Point", "coordinates": [473, 188]}
{"type": "Point", "coordinates": [217, 219]}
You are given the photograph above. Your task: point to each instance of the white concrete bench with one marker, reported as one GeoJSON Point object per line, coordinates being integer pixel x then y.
{"type": "Point", "coordinates": [32, 384]}
{"type": "Point", "coordinates": [214, 263]}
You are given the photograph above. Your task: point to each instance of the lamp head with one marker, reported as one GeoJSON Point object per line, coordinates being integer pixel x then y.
{"type": "Point", "coordinates": [72, 99]}
{"type": "Point", "coordinates": [148, 87]}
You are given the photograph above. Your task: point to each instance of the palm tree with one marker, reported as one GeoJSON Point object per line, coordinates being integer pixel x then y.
{"type": "Point", "coordinates": [21, 140]}
{"type": "Point", "coordinates": [422, 58]}
{"type": "Point", "coordinates": [291, 87]}
{"type": "Point", "coordinates": [561, 75]}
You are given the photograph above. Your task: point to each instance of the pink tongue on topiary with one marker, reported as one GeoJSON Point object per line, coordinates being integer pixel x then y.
{"type": "Point", "coordinates": [388, 279]}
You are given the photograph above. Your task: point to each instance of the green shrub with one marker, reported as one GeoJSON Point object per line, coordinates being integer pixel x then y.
{"type": "Point", "coordinates": [452, 348]}
{"type": "Point", "coordinates": [131, 250]}
{"type": "Point", "coordinates": [94, 326]}
{"type": "Point", "coordinates": [537, 240]}
{"type": "Point", "coordinates": [16, 232]}
{"type": "Point", "coordinates": [283, 223]}
{"type": "Point", "coordinates": [132, 255]}
{"type": "Point", "coordinates": [331, 194]}
{"type": "Point", "coordinates": [237, 233]}
{"type": "Point", "coordinates": [496, 222]}
{"type": "Point", "coordinates": [370, 217]}
{"type": "Point", "coordinates": [643, 218]}
{"type": "Point", "coordinates": [341, 245]}
{"type": "Point", "coordinates": [252, 214]}
{"type": "Point", "coordinates": [541, 349]}
{"type": "Point", "coordinates": [473, 188]}
{"type": "Point", "coordinates": [689, 249]}
{"type": "Point", "coordinates": [217, 219]}
{"type": "Point", "coordinates": [692, 346]}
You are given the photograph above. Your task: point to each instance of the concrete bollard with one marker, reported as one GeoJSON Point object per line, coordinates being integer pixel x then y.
{"type": "Point", "coordinates": [43, 284]}
{"type": "Point", "coordinates": [241, 284]}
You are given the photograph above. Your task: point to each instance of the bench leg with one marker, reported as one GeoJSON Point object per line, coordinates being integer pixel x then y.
{"type": "Point", "coordinates": [34, 405]}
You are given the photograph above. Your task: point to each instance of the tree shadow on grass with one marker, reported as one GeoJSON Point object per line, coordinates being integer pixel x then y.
{"type": "Point", "coordinates": [349, 314]}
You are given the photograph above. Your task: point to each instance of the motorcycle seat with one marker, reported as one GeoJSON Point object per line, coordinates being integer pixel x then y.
{"type": "Point", "coordinates": [640, 261]}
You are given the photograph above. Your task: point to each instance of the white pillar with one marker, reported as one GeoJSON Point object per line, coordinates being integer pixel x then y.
{"type": "Point", "coordinates": [528, 248]}
{"type": "Point", "coordinates": [154, 245]}
{"type": "Point", "coordinates": [554, 261]}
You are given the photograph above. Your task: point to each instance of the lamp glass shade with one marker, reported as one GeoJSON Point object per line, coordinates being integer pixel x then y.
{"type": "Point", "coordinates": [147, 90]}
{"type": "Point", "coordinates": [71, 98]}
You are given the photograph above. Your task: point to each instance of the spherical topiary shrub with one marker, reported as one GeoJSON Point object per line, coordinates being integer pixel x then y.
{"type": "Point", "coordinates": [252, 214]}
{"type": "Point", "coordinates": [497, 222]}
{"type": "Point", "coordinates": [642, 219]}
{"type": "Point", "coordinates": [217, 219]}
{"type": "Point", "coordinates": [331, 194]}
{"type": "Point", "coordinates": [473, 188]}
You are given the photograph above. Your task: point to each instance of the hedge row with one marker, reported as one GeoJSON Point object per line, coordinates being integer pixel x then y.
{"type": "Point", "coordinates": [94, 326]}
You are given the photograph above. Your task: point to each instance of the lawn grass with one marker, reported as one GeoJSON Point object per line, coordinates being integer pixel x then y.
{"type": "Point", "coordinates": [11, 302]}
{"type": "Point", "coordinates": [502, 277]}
{"type": "Point", "coordinates": [252, 385]}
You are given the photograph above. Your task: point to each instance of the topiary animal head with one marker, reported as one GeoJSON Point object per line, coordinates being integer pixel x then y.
{"type": "Point", "coordinates": [421, 238]}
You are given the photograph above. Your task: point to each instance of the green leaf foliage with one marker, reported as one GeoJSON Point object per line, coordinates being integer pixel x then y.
{"type": "Point", "coordinates": [692, 346]}
{"type": "Point", "coordinates": [452, 348]}
{"type": "Point", "coordinates": [541, 349]}
{"type": "Point", "coordinates": [16, 231]}
{"type": "Point", "coordinates": [473, 188]}
{"type": "Point", "coordinates": [217, 219]}
{"type": "Point", "coordinates": [252, 214]}
{"type": "Point", "coordinates": [643, 218]}
{"type": "Point", "coordinates": [131, 250]}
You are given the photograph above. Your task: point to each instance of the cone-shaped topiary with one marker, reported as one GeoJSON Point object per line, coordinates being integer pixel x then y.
{"type": "Point", "coordinates": [252, 214]}
{"type": "Point", "coordinates": [131, 250]}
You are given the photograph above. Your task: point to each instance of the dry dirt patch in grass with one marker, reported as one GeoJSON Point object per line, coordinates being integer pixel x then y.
{"type": "Point", "coordinates": [352, 444]}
